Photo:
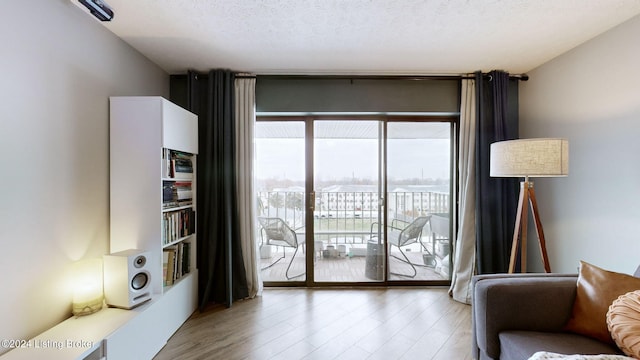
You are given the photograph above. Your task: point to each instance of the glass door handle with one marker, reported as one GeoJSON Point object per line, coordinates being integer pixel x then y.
{"type": "Point", "coordinates": [312, 201]}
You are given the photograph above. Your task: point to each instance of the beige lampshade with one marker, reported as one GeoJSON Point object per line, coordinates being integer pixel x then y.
{"type": "Point", "coordinates": [543, 157]}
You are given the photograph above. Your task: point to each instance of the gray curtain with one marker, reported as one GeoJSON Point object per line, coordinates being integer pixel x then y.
{"type": "Point", "coordinates": [222, 276]}
{"type": "Point", "coordinates": [464, 255]}
{"type": "Point", "coordinates": [496, 198]}
{"type": "Point", "coordinates": [488, 113]}
{"type": "Point", "coordinates": [245, 116]}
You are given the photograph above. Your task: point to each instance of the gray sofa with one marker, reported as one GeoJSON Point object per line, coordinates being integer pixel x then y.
{"type": "Point", "coordinates": [517, 315]}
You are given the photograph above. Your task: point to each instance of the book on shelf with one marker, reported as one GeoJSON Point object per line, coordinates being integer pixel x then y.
{"type": "Point", "coordinates": [166, 161]}
{"type": "Point", "coordinates": [175, 154]}
{"type": "Point", "coordinates": [176, 262]}
{"type": "Point", "coordinates": [176, 193]}
{"type": "Point", "coordinates": [177, 164]}
{"type": "Point", "coordinates": [186, 258]}
{"type": "Point", "coordinates": [165, 261]}
{"type": "Point", "coordinates": [169, 191]}
{"type": "Point", "coordinates": [183, 191]}
{"type": "Point", "coordinates": [176, 204]}
{"type": "Point", "coordinates": [179, 251]}
{"type": "Point", "coordinates": [169, 273]}
{"type": "Point", "coordinates": [183, 165]}
{"type": "Point", "coordinates": [177, 224]}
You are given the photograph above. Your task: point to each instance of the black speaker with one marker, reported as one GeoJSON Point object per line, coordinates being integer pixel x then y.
{"type": "Point", "coordinates": [127, 279]}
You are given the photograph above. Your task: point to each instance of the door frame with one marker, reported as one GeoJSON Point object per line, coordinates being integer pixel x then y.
{"type": "Point", "coordinates": [384, 119]}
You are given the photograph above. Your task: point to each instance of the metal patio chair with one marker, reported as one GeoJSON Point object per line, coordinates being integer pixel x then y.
{"type": "Point", "coordinates": [274, 231]}
{"type": "Point", "coordinates": [404, 236]}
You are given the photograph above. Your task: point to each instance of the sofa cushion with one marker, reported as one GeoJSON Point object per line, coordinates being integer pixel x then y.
{"type": "Point", "coordinates": [596, 290]}
{"type": "Point", "coordinates": [543, 355]}
{"type": "Point", "coordinates": [623, 319]}
{"type": "Point", "coordinates": [523, 344]}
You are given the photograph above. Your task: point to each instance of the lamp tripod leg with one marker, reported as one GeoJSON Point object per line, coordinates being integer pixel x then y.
{"type": "Point", "coordinates": [540, 232]}
{"type": "Point", "coordinates": [516, 231]}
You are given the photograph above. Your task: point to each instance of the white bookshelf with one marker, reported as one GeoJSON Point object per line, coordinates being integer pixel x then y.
{"type": "Point", "coordinates": [141, 130]}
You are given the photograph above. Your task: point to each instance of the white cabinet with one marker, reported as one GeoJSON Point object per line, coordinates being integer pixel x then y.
{"type": "Point", "coordinates": [81, 338]}
{"type": "Point", "coordinates": [142, 131]}
{"type": "Point", "coordinates": [154, 145]}
{"type": "Point", "coordinates": [113, 334]}
{"type": "Point", "coordinates": [144, 335]}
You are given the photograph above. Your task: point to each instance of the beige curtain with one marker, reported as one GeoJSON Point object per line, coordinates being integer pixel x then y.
{"type": "Point", "coordinates": [464, 264]}
{"type": "Point", "coordinates": [246, 197]}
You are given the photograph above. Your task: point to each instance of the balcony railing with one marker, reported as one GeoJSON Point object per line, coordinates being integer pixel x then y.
{"type": "Point", "coordinates": [347, 216]}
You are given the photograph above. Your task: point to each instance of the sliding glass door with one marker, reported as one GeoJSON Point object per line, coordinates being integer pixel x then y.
{"type": "Point", "coordinates": [418, 200]}
{"type": "Point", "coordinates": [280, 182]}
{"type": "Point", "coordinates": [354, 200]}
{"type": "Point", "coordinates": [347, 188]}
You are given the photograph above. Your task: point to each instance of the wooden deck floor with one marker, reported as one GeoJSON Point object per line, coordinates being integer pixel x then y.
{"type": "Point", "coordinates": [345, 324]}
{"type": "Point", "coordinates": [347, 269]}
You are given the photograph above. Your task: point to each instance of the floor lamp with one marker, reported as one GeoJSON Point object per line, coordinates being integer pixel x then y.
{"type": "Point", "coordinates": [525, 158]}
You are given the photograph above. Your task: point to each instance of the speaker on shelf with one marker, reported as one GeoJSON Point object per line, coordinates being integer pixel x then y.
{"type": "Point", "coordinates": [127, 279]}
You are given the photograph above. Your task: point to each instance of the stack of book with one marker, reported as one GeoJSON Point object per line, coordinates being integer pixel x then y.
{"type": "Point", "coordinates": [176, 262]}
{"type": "Point", "coordinates": [176, 193]}
{"type": "Point", "coordinates": [177, 164]}
{"type": "Point", "coordinates": [183, 193]}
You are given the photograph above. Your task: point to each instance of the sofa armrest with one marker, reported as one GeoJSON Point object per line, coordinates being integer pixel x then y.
{"type": "Point", "coordinates": [535, 302]}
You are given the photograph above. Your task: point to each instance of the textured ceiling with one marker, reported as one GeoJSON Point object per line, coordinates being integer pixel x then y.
{"type": "Point", "coordinates": [361, 36]}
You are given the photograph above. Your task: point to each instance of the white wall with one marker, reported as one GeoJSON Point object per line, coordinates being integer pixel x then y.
{"type": "Point", "coordinates": [590, 95]}
{"type": "Point", "coordinates": [59, 66]}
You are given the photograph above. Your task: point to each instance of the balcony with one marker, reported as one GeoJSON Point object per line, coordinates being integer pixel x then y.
{"type": "Point", "coordinates": [343, 226]}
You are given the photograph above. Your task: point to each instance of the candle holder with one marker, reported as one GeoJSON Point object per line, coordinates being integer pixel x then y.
{"type": "Point", "coordinates": [88, 295]}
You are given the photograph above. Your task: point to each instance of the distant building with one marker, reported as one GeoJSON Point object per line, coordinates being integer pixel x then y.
{"type": "Point", "coordinates": [355, 201]}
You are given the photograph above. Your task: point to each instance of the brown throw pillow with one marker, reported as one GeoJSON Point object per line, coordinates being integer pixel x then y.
{"type": "Point", "coordinates": [623, 319]}
{"type": "Point", "coordinates": [596, 290]}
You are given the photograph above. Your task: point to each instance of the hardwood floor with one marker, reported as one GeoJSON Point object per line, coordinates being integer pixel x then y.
{"type": "Point", "coordinates": [344, 323]}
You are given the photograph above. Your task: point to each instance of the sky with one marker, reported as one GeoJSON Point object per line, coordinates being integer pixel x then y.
{"type": "Point", "coordinates": [336, 158]}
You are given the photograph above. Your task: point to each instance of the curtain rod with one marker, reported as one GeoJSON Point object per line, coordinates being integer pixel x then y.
{"type": "Point", "coordinates": [523, 77]}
